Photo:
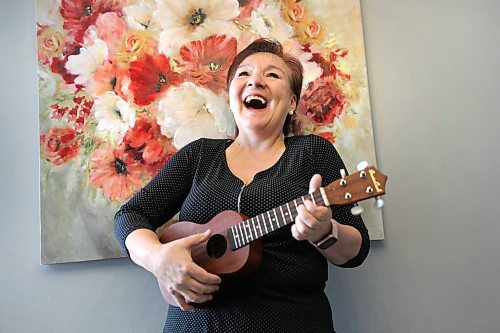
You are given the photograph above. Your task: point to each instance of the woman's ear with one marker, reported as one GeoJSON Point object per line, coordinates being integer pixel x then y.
{"type": "Point", "coordinates": [293, 103]}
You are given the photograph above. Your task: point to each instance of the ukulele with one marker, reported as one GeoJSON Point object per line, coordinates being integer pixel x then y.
{"type": "Point", "coordinates": [235, 249]}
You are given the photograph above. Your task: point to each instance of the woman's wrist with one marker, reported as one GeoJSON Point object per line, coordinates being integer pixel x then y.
{"type": "Point", "coordinates": [330, 238]}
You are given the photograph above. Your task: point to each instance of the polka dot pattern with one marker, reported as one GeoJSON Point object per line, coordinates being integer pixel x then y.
{"type": "Point", "coordinates": [286, 294]}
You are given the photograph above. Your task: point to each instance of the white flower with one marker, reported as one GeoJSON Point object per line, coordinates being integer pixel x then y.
{"type": "Point", "coordinates": [190, 112]}
{"type": "Point", "coordinates": [114, 116]}
{"type": "Point", "coordinates": [185, 21]}
{"type": "Point", "coordinates": [87, 61]}
{"type": "Point", "coordinates": [312, 70]}
{"type": "Point", "coordinates": [266, 20]}
{"type": "Point", "coordinates": [139, 15]}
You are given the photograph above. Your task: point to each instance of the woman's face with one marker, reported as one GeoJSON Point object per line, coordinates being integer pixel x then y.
{"type": "Point", "coordinates": [260, 96]}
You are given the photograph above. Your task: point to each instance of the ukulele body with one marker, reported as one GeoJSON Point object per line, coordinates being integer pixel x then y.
{"type": "Point", "coordinates": [215, 255]}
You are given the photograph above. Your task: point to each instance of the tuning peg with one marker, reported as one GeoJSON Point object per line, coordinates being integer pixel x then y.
{"type": "Point", "coordinates": [357, 210]}
{"type": "Point", "coordinates": [343, 173]}
{"type": "Point", "coordinates": [362, 165]}
{"type": "Point", "coordinates": [379, 203]}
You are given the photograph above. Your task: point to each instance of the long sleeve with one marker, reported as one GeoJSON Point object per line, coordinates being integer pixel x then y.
{"type": "Point", "coordinates": [161, 198]}
{"type": "Point", "coordinates": [328, 163]}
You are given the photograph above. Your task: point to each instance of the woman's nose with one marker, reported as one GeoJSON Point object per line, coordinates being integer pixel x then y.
{"type": "Point", "coordinates": [256, 80]}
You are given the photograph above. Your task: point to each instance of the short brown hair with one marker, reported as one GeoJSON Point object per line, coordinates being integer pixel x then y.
{"type": "Point", "coordinates": [274, 47]}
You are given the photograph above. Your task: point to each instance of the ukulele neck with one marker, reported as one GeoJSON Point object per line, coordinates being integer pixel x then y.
{"type": "Point", "coordinates": [243, 233]}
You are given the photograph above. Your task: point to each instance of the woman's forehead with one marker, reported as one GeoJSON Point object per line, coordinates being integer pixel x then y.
{"type": "Point", "coordinates": [266, 60]}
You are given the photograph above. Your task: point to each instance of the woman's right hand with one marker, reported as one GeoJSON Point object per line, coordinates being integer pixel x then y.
{"type": "Point", "coordinates": [176, 272]}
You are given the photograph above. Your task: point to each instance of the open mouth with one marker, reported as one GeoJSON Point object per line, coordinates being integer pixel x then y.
{"type": "Point", "coordinates": [255, 102]}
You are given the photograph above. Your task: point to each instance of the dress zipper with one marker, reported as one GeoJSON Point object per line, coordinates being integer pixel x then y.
{"type": "Point", "coordinates": [239, 197]}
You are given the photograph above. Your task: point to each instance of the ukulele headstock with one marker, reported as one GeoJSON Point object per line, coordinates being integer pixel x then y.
{"type": "Point", "coordinates": [365, 184]}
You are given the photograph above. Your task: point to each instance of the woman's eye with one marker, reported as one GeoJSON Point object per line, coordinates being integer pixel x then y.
{"type": "Point", "coordinates": [273, 75]}
{"type": "Point", "coordinates": [243, 73]}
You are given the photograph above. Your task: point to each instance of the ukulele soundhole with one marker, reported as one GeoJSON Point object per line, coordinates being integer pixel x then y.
{"type": "Point", "coordinates": [216, 246]}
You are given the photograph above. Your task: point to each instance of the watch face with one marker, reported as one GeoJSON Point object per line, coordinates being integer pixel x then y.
{"type": "Point", "coordinates": [324, 244]}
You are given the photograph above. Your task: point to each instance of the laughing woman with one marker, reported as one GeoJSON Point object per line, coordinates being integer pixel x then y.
{"type": "Point", "coordinates": [260, 169]}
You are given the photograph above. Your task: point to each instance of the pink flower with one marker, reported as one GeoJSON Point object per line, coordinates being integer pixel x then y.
{"type": "Point", "coordinates": [115, 173]}
{"type": "Point", "coordinates": [110, 28]}
{"type": "Point", "coordinates": [59, 145]}
{"type": "Point", "coordinates": [324, 100]}
{"type": "Point", "coordinates": [78, 15]}
{"type": "Point", "coordinates": [208, 61]}
{"type": "Point", "coordinates": [150, 76]}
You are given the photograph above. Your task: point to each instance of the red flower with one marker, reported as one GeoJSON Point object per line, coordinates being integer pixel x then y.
{"type": "Point", "coordinates": [78, 15]}
{"type": "Point", "coordinates": [324, 100]}
{"type": "Point", "coordinates": [328, 66]}
{"type": "Point", "coordinates": [115, 173]}
{"type": "Point", "coordinates": [327, 135]}
{"type": "Point", "coordinates": [208, 61]}
{"type": "Point", "coordinates": [150, 76]}
{"type": "Point", "coordinates": [59, 145]}
{"type": "Point", "coordinates": [58, 66]}
{"type": "Point", "coordinates": [76, 112]}
{"type": "Point", "coordinates": [146, 144]}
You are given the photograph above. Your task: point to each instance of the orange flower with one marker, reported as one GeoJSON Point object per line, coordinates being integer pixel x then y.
{"type": "Point", "coordinates": [311, 32]}
{"type": "Point", "coordinates": [50, 44]}
{"type": "Point", "coordinates": [60, 145]}
{"type": "Point", "coordinates": [118, 175]}
{"type": "Point", "coordinates": [293, 12]}
{"type": "Point", "coordinates": [146, 144]}
{"type": "Point", "coordinates": [133, 44]}
{"type": "Point", "coordinates": [208, 61]}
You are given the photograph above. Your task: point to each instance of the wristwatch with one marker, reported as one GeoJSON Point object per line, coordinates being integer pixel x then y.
{"type": "Point", "coordinates": [330, 239]}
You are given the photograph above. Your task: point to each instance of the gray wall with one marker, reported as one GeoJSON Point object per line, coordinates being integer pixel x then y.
{"type": "Point", "coordinates": [433, 69]}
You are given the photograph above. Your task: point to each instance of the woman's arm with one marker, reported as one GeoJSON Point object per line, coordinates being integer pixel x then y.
{"type": "Point", "coordinates": [173, 266]}
{"type": "Point", "coordinates": [313, 223]}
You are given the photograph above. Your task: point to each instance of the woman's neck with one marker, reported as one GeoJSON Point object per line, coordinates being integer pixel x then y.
{"type": "Point", "coordinates": [258, 144]}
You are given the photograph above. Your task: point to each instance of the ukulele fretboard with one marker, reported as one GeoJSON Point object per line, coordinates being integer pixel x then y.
{"type": "Point", "coordinates": [249, 230]}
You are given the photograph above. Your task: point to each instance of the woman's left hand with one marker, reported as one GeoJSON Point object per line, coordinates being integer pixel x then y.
{"type": "Point", "coordinates": [312, 222]}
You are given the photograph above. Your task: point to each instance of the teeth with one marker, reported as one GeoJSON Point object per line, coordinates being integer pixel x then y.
{"type": "Point", "coordinates": [251, 98]}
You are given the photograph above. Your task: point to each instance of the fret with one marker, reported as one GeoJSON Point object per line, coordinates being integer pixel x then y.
{"type": "Point", "coordinates": [296, 207]}
{"type": "Point", "coordinates": [277, 219]}
{"type": "Point", "coordinates": [312, 198]}
{"type": "Point", "coordinates": [254, 229]}
{"type": "Point", "coordinates": [303, 200]}
{"type": "Point", "coordinates": [241, 233]}
{"type": "Point", "coordinates": [270, 221]}
{"type": "Point", "coordinates": [283, 215]}
{"type": "Point", "coordinates": [249, 230]}
{"type": "Point", "coordinates": [236, 236]}
{"type": "Point", "coordinates": [290, 212]}
{"type": "Point", "coordinates": [265, 225]}
{"type": "Point", "coordinates": [258, 227]}
{"type": "Point", "coordinates": [245, 231]}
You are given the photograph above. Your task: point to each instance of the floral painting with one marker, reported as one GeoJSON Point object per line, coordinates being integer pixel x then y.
{"type": "Point", "coordinates": [123, 85]}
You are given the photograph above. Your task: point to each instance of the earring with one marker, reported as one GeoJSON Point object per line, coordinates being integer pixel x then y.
{"type": "Point", "coordinates": [290, 112]}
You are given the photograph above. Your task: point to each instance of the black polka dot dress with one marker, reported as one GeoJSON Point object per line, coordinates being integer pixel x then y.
{"type": "Point", "coordinates": [286, 294]}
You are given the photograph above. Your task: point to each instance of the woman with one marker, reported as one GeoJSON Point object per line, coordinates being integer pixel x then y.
{"type": "Point", "coordinates": [259, 170]}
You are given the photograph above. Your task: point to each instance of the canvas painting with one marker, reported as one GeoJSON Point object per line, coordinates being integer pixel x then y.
{"type": "Point", "coordinates": [123, 85]}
